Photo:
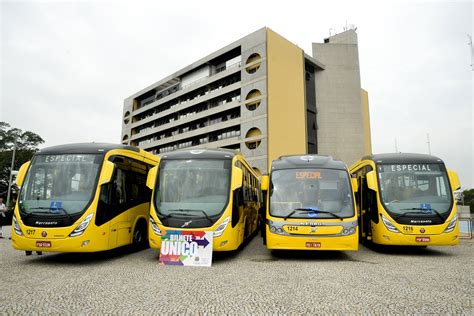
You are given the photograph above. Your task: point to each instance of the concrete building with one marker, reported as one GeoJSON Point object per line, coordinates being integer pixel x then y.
{"type": "Point", "coordinates": [262, 95]}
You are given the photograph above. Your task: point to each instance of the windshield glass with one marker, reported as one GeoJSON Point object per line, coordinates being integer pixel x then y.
{"type": "Point", "coordinates": [414, 187]}
{"type": "Point", "coordinates": [194, 185]}
{"type": "Point", "coordinates": [323, 190]}
{"type": "Point", "coordinates": [60, 183]}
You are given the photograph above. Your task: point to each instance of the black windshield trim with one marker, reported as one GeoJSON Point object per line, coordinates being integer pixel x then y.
{"type": "Point", "coordinates": [94, 190]}
{"type": "Point", "coordinates": [394, 215]}
{"type": "Point", "coordinates": [157, 184]}
{"type": "Point", "coordinates": [313, 168]}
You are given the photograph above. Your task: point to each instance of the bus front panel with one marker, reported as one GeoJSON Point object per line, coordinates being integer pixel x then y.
{"type": "Point", "coordinates": [62, 208]}
{"type": "Point", "coordinates": [410, 204]}
{"type": "Point", "coordinates": [195, 195]}
{"type": "Point", "coordinates": [311, 209]}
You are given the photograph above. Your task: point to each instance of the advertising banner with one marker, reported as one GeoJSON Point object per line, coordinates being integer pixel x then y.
{"type": "Point", "coordinates": [186, 248]}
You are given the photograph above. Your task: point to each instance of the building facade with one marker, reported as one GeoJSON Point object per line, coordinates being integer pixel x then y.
{"type": "Point", "coordinates": [261, 95]}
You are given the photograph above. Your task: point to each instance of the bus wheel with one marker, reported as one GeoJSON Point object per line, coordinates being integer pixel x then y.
{"type": "Point", "coordinates": [140, 236]}
{"type": "Point", "coordinates": [28, 253]}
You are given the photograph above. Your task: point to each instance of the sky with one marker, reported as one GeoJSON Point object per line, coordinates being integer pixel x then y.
{"type": "Point", "coordinates": [67, 66]}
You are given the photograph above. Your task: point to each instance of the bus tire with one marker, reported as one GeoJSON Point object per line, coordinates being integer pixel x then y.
{"type": "Point", "coordinates": [140, 238]}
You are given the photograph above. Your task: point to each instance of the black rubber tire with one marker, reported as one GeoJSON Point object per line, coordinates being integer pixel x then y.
{"type": "Point", "coordinates": [140, 235]}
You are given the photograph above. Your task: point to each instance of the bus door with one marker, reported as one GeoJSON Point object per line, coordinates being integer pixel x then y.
{"type": "Point", "coordinates": [112, 208]}
{"type": "Point", "coordinates": [367, 204]}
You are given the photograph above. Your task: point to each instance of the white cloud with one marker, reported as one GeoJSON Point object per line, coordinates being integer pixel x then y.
{"type": "Point", "coordinates": [67, 66]}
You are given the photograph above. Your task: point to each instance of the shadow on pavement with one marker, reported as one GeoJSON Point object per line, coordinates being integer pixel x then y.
{"type": "Point", "coordinates": [309, 255]}
{"type": "Point", "coordinates": [82, 259]}
{"type": "Point", "coordinates": [407, 250]}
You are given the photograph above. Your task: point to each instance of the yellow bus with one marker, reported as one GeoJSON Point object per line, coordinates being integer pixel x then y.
{"type": "Point", "coordinates": [83, 198]}
{"type": "Point", "coordinates": [406, 199]}
{"type": "Point", "coordinates": [310, 204]}
{"type": "Point", "coordinates": [204, 190]}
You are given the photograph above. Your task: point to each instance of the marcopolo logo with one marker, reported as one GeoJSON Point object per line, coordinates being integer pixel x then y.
{"type": "Point", "coordinates": [46, 223]}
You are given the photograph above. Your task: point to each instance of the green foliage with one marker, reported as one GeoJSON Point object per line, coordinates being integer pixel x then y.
{"type": "Point", "coordinates": [26, 145]}
{"type": "Point", "coordinates": [466, 197]}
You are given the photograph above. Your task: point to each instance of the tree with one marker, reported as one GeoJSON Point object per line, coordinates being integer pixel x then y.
{"type": "Point", "coordinates": [466, 198]}
{"type": "Point", "coordinates": [26, 145]}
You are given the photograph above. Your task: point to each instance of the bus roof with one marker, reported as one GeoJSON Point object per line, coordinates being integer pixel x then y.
{"type": "Point", "coordinates": [201, 153]}
{"type": "Point", "coordinates": [84, 148]}
{"type": "Point", "coordinates": [305, 161]}
{"type": "Point", "coordinates": [394, 158]}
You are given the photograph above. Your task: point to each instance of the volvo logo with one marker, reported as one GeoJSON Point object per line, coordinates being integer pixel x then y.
{"type": "Point", "coordinates": [313, 230]}
{"type": "Point", "coordinates": [307, 158]}
{"type": "Point", "coordinates": [44, 234]}
{"type": "Point", "coordinates": [196, 151]}
{"type": "Point", "coordinates": [422, 230]}
{"type": "Point", "coordinates": [186, 224]}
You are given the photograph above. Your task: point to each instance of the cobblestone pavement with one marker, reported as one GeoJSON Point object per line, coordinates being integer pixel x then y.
{"type": "Point", "coordinates": [253, 280]}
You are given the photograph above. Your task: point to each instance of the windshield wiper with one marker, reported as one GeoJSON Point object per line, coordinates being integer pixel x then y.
{"type": "Point", "coordinates": [189, 210]}
{"type": "Point", "coordinates": [308, 209]}
{"type": "Point", "coordinates": [419, 209]}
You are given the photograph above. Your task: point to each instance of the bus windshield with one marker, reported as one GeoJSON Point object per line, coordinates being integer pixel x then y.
{"type": "Point", "coordinates": [420, 188]}
{"type": "Point", "coordinates": [60, 184]}
{"type": "Point", "coordinates": [197, 186]}
{"type": "Point", "coordinates": [311, 193]}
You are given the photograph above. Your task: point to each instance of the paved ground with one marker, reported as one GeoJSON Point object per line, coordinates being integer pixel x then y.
{"type": "Point", "coordinates": [397, 281]}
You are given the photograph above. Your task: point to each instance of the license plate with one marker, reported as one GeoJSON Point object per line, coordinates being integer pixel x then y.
{"type": "Point", "coordinates": [422, 239]}
{"type": "Point", "coordinates": [313, 244]}
{"type": "Point", "coordinates": [43, 244]}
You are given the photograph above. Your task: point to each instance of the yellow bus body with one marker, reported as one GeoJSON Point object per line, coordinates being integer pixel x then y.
{"type": "Point", "coordinates": [115, 233]}
{"type": "Point", "coordinates": [321, 239]}
{"type": "Point", "coordinates": [232, 237]}
{"type": "Point", "coordinates": [407, 235]}
{"type": "Point", "coordinates": [311, 234]}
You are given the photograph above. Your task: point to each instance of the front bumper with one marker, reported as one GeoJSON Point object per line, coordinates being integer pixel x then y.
{"type": "Point", "coordinates": [295, 242]}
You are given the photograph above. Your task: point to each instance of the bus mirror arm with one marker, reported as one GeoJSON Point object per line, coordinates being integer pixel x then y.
{"type": "Point", "coordinates": [371, 180]}
{"type": "Point", "coordinates": [107, 172]}
{"type": "Point", "coordinates": [20, 177]}
{"type": "Point", "coordinates": [454, 179]}
{"type": "Point", "coordinates": [151, 177]}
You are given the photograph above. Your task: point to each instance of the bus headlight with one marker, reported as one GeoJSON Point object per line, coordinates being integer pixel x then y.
{"type": "Point", "coordinates": [220, 230]}
{"type": "Point", "coordinates": [82, 226]}
{"type": "Point", "coordinates": [155, 227]}
{"type": "Point", "coordinates": [388, 224]}
{"type": "Point", "coordinates": [452, 224]}
{"type": "Point", "coordinates": [349, 231]}
{"type": "Point", "coordinates": [16, 227]}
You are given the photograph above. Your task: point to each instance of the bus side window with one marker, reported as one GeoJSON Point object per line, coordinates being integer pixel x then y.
{"type": "Point", "coordinates": [237, 203]}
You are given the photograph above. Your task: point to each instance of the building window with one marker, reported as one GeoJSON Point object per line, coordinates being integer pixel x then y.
{"type": "Point", "coordinates": [253, 63]}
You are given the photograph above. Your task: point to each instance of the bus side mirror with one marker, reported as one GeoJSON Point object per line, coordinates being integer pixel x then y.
{"type": "Point", "coordinates": [454, 179]}
{"type": "Point", "coordinates": [20, 177]}
{"type": "Point", "coordinates": [151, 177]}
{"type": "Point", "coordinates": [371, 180]}
{"type": "Point", "coordinates": [264, 183]}
{"type": "Point", "coordinates": [236, 178]}
{"type": "Point", "coordinates": [355, 185]}
{"type": "Point", "coordinates": [107, 172]}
